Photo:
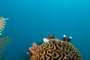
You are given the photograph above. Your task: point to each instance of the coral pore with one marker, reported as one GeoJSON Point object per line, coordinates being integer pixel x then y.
{"type": "Point", "coordinates": [56, 50]}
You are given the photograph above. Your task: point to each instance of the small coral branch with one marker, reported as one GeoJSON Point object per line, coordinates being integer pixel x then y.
{"type": "Point", "coordinates": [51, 37]}
{"type": "Point", "coordinates": [2, 24]}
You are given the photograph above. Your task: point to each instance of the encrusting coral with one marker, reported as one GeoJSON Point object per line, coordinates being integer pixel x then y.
{"type": "Point", "coordinates": [3, 43]}
{"type": "Point", "coordinates": [56, 49]}
{"type": "Point", "coordinates": [2, 24]}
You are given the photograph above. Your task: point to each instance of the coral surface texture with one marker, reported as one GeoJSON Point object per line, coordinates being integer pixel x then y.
{"type": "Point", "coordinates": [56, 50]}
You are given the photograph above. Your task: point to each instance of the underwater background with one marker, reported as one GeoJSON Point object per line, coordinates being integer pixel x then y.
{"type": "Point", "coordinates": [32, 20]}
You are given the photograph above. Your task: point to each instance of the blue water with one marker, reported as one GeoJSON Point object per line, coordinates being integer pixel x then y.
{"type": "Point", "coordinates": [32, 20]}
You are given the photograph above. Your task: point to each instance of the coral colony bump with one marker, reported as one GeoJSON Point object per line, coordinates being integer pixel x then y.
{"type": "Point", "coordinates": [54, 49]}
{"type": "Point", "coordinates": [2, 24]}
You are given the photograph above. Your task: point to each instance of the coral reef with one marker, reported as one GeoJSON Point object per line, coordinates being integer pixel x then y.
{"type": "Point", "coordinates": [3, 43]}
{"type": "Point", "coordinates": [2, 24]}
{"type": "Point", "coordinates": [56, 50]}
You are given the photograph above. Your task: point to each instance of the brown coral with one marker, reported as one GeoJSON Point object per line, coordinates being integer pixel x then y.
{"type": "Point", "coordinates": [56, 50]}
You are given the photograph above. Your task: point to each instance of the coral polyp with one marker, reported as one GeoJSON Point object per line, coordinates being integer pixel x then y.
{"type": "Point", "coordinates": [56, 50]}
